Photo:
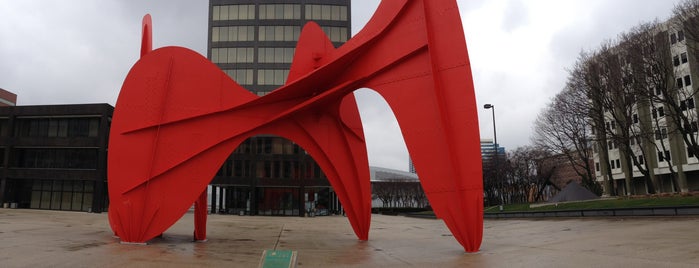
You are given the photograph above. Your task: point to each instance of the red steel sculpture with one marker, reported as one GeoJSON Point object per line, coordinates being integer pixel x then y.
{"type": "Point", "coordinates": [178, 118]}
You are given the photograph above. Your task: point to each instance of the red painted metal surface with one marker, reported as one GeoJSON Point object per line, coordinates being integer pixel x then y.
{"type": "Point", "coordinates": [178, 117]}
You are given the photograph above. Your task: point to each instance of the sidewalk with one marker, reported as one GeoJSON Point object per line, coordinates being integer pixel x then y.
{"type": "Point", "coordinates": [36, 238]}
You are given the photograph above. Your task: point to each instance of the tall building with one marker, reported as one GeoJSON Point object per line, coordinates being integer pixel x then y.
{"type": "Point", "coordinates": [254, 43]}
{"type": "Point", "coordinates": [488, 148]}
{"type": "Point", "coordinates": [55, 156]}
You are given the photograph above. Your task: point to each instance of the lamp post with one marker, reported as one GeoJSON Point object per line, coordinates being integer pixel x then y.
{"type": "Point", "coordinates": [495, 141]}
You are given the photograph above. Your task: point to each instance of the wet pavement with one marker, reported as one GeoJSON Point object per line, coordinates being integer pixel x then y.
{"type": "Point", "coordinates": [36, 238]}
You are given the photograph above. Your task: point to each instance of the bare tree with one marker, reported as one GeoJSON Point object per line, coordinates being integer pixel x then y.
{"type": "Point", "coordinates": [585, 77]}
{"type": "Point", "coordinates": [563, 128]}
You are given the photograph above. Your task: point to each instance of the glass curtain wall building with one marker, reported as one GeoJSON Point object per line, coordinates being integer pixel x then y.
{"type": "Point", "coordinates": [55, 156]}
{"type": "Point", "coordinates": [254, 43]}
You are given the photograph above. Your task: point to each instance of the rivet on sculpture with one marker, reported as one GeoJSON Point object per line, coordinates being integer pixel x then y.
{"type": "Point", "coordinates": [178, 118]}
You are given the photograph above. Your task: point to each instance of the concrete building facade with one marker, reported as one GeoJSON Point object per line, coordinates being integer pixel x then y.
{"type": "Point", "coordinates": [656, 141]}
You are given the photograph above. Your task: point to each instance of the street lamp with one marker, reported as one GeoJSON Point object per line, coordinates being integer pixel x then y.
{"type": "Point", "coordinates": [495, 141]}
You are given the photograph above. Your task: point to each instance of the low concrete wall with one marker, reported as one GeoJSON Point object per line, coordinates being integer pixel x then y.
{"type": "Point", "coordinates": [612, 212]}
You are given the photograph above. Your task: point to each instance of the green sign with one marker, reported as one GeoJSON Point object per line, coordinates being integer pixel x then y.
{"type": "Point", "coordinates": [278, 258]}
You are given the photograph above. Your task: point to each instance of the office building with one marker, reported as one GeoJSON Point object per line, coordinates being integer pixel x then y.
{"type": "Point", "coordinates": [254, 43]}
{"type": "Point", "coordinates": [660, 158]}
{"type": "Point", "coordinates": [54, 156]}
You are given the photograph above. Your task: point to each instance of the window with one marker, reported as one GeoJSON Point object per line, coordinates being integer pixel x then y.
{"type": "Point", "coordinates": [57, 127]}
{"type": "Point", "coordinates": [233, 33]}
{"type": "Point", "coordinates": [658, 134]}
{"type": "Point", "coordinates": [661, 112]}
{"type": "Point", "coordinates": [658, 91]}
{"type": "Point", "coordinates": [275, 54]}
{"type": "Point", "coordinates": [280, 12]}
{"type": "Point", "coordinates": [679, 83]}
{"type": "Point", "coordinates": [680, 36]}
{"type": "Point", "coordinates": [271, 77]}
{"type": "Point", "coordinates": [687, 104]}
{"type": "Point", "coordinates": [617, 164]}
{"type": "Point", "coordinates": [663, 133]}
{"type": "Point", "coordinates": [687, 80]}
{"type": "Point", "coordinates": [667, 156]}
{"type": "Point", "coordinates": [326, 12]}
{"type": "Point", "coordinates": [676, 61]}
{"type": "Point", "coordinates": [673, 38]}
{"type": "Point", "coordinates": [279, 33]}
{"type": "Point", "coordinates": [683, 56]}
{"type": "Point", "coordinates": [336, 34]}
{"type": "Point", "coordinates": [690, 152]}
{"type": "Point", "coordinates": [613, 125]}
{"type": "Point", "coordinates": [661, 158]}
{"type": "Point", "coordinates": [692, 127]}
{"type": "Point", "coordinates": [611, 163]}
{"type": "Point", "coordinates": [52, 158]}
{"type": "Point", "coordinates": [640, 160]}
{"type": "Point", "coordinates": [635, 118]}
{"type": "Point", "coordinates": [241, 76]}
{"type": "Point", "coordinates": [234, 12]}
{"type": "Point", "coordinates": [233, 55]}
{"type": "Point", "coordinates": [597, 167]}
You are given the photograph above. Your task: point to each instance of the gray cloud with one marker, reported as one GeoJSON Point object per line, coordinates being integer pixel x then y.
{"type": "Point", "coordinates": [516, 15]}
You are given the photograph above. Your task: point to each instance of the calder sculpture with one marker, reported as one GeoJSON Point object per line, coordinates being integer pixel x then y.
{"type": "Point", "coordinates": [178, 117]}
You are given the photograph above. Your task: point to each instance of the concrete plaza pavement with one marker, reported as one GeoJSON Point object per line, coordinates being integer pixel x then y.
{"type": "Point", "coordinates": [37, 238]}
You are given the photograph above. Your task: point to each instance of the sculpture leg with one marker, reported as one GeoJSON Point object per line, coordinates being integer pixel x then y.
{"type": "Point", "coordinates": [200, 217]}
{"type": "Point", "coordinates": [442, 138]}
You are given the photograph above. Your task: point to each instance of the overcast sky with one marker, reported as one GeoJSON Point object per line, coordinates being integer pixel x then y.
{"type": "Point", "coordinates": [56, 52]}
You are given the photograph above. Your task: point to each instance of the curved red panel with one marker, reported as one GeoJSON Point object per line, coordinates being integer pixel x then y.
{"type": "Point", "coordinates": [168, 137]}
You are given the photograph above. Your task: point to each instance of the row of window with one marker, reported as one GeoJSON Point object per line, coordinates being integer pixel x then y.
{"type": "Point", "coordinates": [687, 81]}
{"type": "Point", "coordinates": [277, 169]}
{"type": "Point", "coordinates": [233, 55]}
{"type": "Point", "coordinates": [57, 127]}
{"type": "Point", "coordinates": [271, 77]}
{"type": "Point", "coordinates": [614, 164]}
{"type": "Point", "coordinates": [233, 33]}
{"type": "Point", "coordinates": [269, 145]}
{"type": "Point", "coordinates": [659, 134]}
{"type": "Point", "coordinates": [233, 12]}
{"type": "Point", "coordinates": [241, 76]}
{"type": "Point", "coordinates": [55, 158]}
{"type": "Point", "coordinates": [265, 77]}
{"type": "Point", "coordinates": [658, 112]}
{"type": "Point", "coordinates": [687, 104]}
{"type": "Point", "coordinates": [676, 37]}
{"type": "Point", "coordinates": [279, 33]}
{"type": "Point", "coordinates": [681, 59]}
{"type": "Point", "coordinates": [271, 33]}
{"type": "Point", "coordinates": [280, 12]}
{"type": "Point", "coordinates": [246, 54]}
{"type": "Point", "coordinates": [662, 157]}
{"type": "Point", "coordinates": [62, 195]}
